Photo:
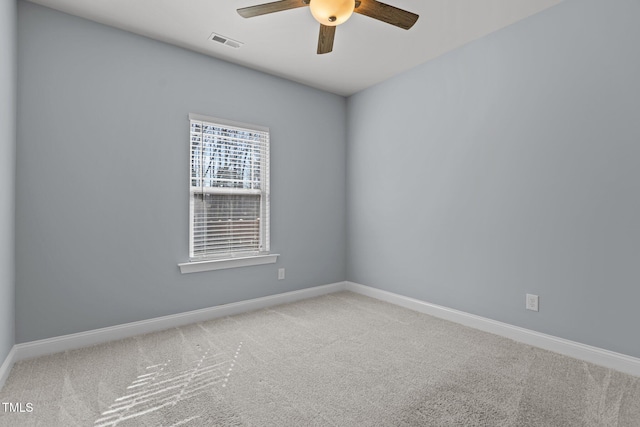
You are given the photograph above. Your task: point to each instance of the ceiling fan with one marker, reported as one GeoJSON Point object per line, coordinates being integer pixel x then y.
{"type": "Point", "coordinates": [330, 13]}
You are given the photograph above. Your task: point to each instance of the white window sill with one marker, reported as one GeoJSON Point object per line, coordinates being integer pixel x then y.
{"type": "Point", "coordinates": [219, 264]}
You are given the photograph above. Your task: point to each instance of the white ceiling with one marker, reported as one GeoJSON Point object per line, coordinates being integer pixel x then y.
{"type": "Point", "coordinates": [365, 51]}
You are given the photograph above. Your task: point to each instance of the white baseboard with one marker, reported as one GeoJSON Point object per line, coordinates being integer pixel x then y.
{"type": "Point", "coordinates": [98, 336]}
{"type": "Point", "coordinates": [6, 366]}
{"type": "Point", "coordinates": [609, 359]}
{"type": "Point", "coordinates": [595, 355]}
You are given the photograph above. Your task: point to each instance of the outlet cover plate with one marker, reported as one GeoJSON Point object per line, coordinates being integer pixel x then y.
{"type": "Point", "coordinates": [532, 302]}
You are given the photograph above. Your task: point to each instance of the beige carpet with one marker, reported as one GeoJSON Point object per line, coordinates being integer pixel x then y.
{"type": "Point", "coordinates": [337, 360]}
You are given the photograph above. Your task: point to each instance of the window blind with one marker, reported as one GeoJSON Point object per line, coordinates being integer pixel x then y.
{"type": "Point", "coordinates": [229, 189]}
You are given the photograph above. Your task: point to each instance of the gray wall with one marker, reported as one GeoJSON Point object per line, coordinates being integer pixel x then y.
{"type": "Point", "coordinates": [102, 176]}
{"type": "Point", "coordinates": [7, 172]}
{"type": "Point", "coordinates": [510, 166]}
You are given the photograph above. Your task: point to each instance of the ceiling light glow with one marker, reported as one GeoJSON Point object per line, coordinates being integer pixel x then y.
{"type": "Point", "coordinates": [332, 12]}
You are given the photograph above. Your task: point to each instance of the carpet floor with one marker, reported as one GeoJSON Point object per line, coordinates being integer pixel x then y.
{"type": "Point", "coordinates": [337, 360]}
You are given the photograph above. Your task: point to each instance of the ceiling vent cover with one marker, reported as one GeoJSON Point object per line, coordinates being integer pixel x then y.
{"type": "Point", "coordinates": [225, 40]}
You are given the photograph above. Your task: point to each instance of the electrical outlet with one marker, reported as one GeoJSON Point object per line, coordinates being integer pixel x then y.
{"type": "Point", "coordinates": [281, 274]}
{"type": "Point", "coordinates": [532, 302]}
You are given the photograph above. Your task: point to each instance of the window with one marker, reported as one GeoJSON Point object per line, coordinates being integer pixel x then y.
{"type": "Point", "coordinates": [228, 190]}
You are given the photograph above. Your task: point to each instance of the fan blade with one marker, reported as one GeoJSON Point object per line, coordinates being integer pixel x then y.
{"type": "Point", "coordinates": [385, 13]}
{"type": "Point", "coordinates": [325, 39]}
{"type": "Point", "coordinates": [276, 6]}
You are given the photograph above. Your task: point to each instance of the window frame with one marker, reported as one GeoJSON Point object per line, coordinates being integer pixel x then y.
{"type": "Point", "coordinates": [232, 259]}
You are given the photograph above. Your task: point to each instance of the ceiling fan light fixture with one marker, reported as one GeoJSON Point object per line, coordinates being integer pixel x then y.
{"type": "Point", "coordinates": [331, 12]}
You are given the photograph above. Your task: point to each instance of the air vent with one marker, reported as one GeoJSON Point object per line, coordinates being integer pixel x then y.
{"type": "Point", "coordinates": [225, 40]}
